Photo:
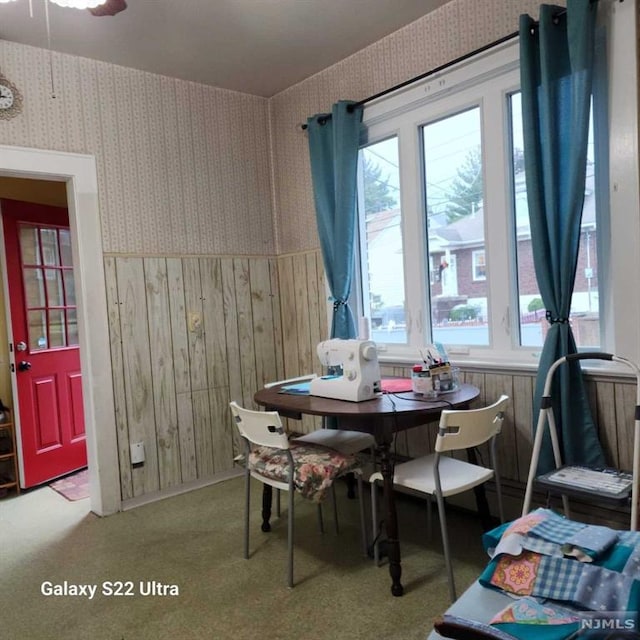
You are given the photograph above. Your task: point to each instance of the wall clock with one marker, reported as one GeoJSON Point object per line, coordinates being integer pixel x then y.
{"type": "Point", "coordinates": [10, 99]}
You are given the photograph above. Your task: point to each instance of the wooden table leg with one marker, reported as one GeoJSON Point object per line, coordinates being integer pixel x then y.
{"type": "Point", "coordinates": [267, 497]}
{"type": "Point", "coordinates": [391, 519]}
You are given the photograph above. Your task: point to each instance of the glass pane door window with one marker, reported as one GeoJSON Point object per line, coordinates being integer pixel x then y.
{"type": "Point", "coordinates": [584, 316]}
{"type": "Point", "coordinates": [47, 274]}
{"type": "Point", "coordinates": [381, 243]}
{"type": "Point", "coordinates": [454, 196]}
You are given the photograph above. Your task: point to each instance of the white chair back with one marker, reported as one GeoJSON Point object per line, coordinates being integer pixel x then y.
{"type": "Point", "coordinates": [465, 428]}
{"type": "Point", "coordinates": [263, 428]}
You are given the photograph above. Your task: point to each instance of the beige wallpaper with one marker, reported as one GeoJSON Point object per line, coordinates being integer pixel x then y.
{"type": "Point", "coordinates": [456, 28]}
{"type": "Point", "coordinates": [186, 169]}
{"type": "Point", "coordinates": [182, 168]}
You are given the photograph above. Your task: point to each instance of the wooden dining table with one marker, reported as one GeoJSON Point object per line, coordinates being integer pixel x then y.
{"type": "Point", "coordinates": [382, 416]}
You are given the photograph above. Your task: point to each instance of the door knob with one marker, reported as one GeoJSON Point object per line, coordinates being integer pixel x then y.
{"type": "Point", "coordinates": [23, 365]}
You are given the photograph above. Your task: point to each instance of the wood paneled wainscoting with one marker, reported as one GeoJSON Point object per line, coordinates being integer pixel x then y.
{"type": "Point", "coordinates": [187, 336]}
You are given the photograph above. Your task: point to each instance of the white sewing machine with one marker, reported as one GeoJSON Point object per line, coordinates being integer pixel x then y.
{"type": "Point", "coordinates": [360, 379]}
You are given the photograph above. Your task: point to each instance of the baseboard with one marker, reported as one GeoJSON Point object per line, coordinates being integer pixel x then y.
{"type": "Point", "coordinates": [147, 498]}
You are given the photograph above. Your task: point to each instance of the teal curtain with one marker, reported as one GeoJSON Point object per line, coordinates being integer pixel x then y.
{"type": "Point", "coordinates": [333, 148]}
{"type": "Point", "coordinates": [556, 56]}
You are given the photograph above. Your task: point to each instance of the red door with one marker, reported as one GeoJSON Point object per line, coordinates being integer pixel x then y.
{"type": "Point", "coordinates": [45, 339]}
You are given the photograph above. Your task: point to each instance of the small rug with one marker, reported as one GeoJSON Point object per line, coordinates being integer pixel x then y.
{"type": "Point", "coordinates": [74, 486]}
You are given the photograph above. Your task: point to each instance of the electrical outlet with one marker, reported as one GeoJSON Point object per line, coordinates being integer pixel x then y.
{"type": "Point", "coordinates": [137, 453]}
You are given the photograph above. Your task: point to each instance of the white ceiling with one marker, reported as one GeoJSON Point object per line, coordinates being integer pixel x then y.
{"type": "Point", "coordinates": [254, 46]}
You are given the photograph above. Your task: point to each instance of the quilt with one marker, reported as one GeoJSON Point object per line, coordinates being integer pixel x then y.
{"type": "Point", "coordinates": [565, 578]}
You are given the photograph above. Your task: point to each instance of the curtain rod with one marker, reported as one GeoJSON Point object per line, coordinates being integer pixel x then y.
{"type": "Point", "coordinates": [426, 74]}
{"type": "Point", "coordinates": [442, 67]}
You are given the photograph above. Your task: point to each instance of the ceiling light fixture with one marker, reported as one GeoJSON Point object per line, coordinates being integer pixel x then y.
{"type": "Point", "coordinates": [72, 4]}
{"type": "Point", "coordinates": [79, 4]}
{"type": "Point", "coordinates": [96, 7]}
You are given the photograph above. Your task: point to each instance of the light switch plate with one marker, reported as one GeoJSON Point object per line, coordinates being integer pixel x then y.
{"type": "Point", "coordinates": [194, 321]}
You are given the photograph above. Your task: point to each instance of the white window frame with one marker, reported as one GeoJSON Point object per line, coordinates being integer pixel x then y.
{"type": "Point", "coordinates": [403, 112]}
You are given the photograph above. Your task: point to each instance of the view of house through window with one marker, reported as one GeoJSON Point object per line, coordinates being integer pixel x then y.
{"type": "Point", "coordinates": [382, 249]}
{"type": "Point", "coordinates": [452, 150]}
{"type": "Point", "coordinates": [445, 240]}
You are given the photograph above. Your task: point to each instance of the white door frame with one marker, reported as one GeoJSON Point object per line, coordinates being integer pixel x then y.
{"type": "Point", "coordinates": [79, 173]}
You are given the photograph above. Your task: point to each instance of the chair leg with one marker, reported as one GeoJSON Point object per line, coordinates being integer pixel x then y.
{"type": "Point", "coordinates": [320, 519]}
{"type": "Point", "coordinates": [290, 541]}
{"type": "Point", "coordinates": [445, 546]}
{"type": "Point", "coordinates": [363, 524]}
{"type": "Point", "coordinates": [278, 502]}
{"type": "Point", "coordinates": [247, 507]}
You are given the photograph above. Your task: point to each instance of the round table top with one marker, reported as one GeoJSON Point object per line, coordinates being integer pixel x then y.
{"type": "Point", "coordinates": [403, 403]}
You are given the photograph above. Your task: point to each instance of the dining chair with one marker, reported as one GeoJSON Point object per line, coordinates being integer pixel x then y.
{"type": "Point", "coordinates": [443, 476]}
{"type": "Point", "coordinates": [287, 465]}
{"type": "Point", "coordinates": [345, 441]}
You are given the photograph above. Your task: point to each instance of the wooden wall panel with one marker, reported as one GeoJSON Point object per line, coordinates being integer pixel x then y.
{"type": "Point", "coordinates": [195, 323]}
{"type": "Point", "coordinates": [277, 319]}
{"type": "Point", "coordinates": [232, 340]}
{"type": "Point", "coordinates": [181, 364]}
{"type": "Point", "coordinates": [137, 371]}
{"type": "Point", "coordinates": [213, 311]}
{"type": "Point", "coordinates": [494, 386]}
{"type": "Point", "coordinates": [198, 367]}
{"type": "Point", "coordinates": [164, 389]}
{"type": "Point", "coordinates": [606, 419]}
{"type": "Point", "coordinates": [117, 366]}
{"type": "Point", "coordinates": [306, 358]}
{"type": "Point", "coordinates": [263, 324]}
{"type": "Point", "coordinates": [222, 429]}
{"type": "Point", "coordinates": [189, 334]}
{"type": "Point", "coordinates": [231, 330]}
{"type": "Point", "coordinates": [522, 402]}
{"type": "Point", "coordinates": [217, 363]}
{"type": "Point", "coordinates": [202, 432]}
{"type": "Point", "coordinates": [288, 315]}
{"type": "Point", "coordinates": [245, 330]}
{"type": "Point", "coordinates": [625, 400]}
{"type": "Point", "coordinates": [323, 295]}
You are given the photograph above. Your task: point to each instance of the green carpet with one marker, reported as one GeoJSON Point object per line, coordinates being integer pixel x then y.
{"type": "Point", "coordinates": [194, 541]}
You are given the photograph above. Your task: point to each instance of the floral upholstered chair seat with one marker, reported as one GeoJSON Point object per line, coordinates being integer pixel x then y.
{"type": "Point", "coordinates": [315, 467]}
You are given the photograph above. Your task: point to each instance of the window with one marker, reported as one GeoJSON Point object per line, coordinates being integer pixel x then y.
{"type": "Point", "coordinates": [478, 266]}
{"type": "Point", "coordinates": [382, 242]}
{"type": "Point", "coordinates": [445, 242]}
{"type": "Point", "coordinates": [49, 287]}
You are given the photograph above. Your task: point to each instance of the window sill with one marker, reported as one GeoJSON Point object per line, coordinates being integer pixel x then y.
{"type": "Point", "coordinates": [510, 365]}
